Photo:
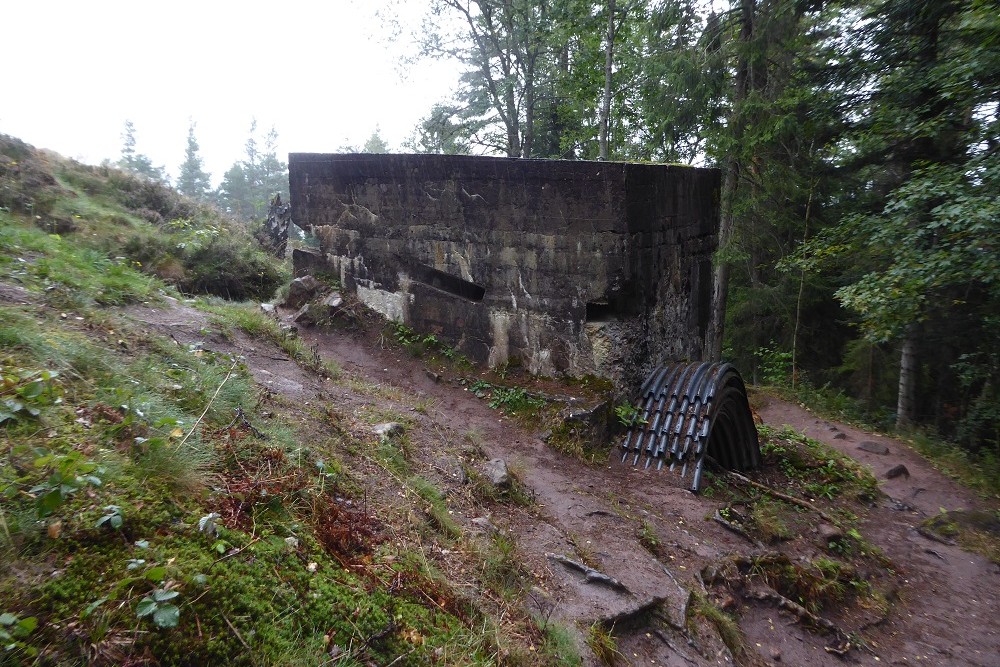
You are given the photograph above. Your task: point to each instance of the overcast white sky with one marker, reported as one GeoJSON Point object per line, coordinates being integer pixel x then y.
{"type": "Point", "coordinates": [324, 73]}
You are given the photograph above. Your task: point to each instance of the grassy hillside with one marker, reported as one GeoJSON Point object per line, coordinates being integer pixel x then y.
{"type": "Point", "coordinates": [158, 507]}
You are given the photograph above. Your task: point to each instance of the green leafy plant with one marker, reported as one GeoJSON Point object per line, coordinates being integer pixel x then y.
{"type": "Point", "coordinates": [13, 630]}
{"type": "Point", "coordinates": [508, 399]}
{"type": "Point", "coordinates": [208, 524]}
{"type": "Point", "coordinates": [648, 537]}
{"type": "Point", "coordinates": [21, 394]}
{"type": "Point", "coordinates": [775, 365]}
{"type": "Point", "coordinates": [68, 473]}
{"type": "Point", "coordinates": [112, 517]}
{"type": "Point", "coordinates": [156, 604]}
{"type": "Point", "coordinates": [629, 415]}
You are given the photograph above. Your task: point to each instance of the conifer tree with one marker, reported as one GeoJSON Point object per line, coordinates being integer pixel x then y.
{"type": "Point", "coordinates": [192, 180]}
{"type": "Point", "coordinates": [135, 162]}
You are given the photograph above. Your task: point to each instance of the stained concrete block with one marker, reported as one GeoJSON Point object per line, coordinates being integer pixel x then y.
{"type": "Point", "coordinates": [566, 267]}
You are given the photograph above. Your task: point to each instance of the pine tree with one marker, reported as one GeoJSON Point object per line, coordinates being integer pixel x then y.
{"type": "Point", "coordinates": [375, 143]}
{"type": "Point", "coordinates": [137, 163]}
{"type": "Point", "coordinates": [192, 180]}
{"type": "Point", "coordinates": [249, 185]}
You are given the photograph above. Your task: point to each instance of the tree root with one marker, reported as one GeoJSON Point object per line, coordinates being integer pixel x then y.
{"type": "Point", "coordinates": [592, 576]}
{"type": "Point", "coordinates": [733, 528]}
{"type": "Point", "coordinates": [768, 594]}
{"type": "Point", "coordinates": [934, 537]}
{"type": "Point", "coordinates": [842, 641]}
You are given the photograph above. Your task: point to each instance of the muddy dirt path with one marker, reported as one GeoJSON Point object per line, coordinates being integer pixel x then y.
{"type": "Point", "coordinates": [947, 612]}
{"type": "Point", "coordinates": [950, 611]}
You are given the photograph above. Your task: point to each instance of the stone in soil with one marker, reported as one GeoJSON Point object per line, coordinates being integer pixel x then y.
{"type": "Point", "coordinates": [873, 447]}
{"type": "Point", "coordinates": [496, 471]}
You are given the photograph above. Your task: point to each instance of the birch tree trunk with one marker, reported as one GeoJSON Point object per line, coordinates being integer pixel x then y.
{"type": "Point", "coordinates": [905, 404]}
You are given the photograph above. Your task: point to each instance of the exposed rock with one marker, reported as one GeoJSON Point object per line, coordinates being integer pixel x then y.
{"type": "Point", "coordinates": [840, 436]}
{"type": "Point", "coordinates": [592, 424]}
{"type": "Point", "coordinates": [388, 430]}
{"type": "Point", "coordinates": [873, 447]}
{"type": "Point", "coordinates": [829, 533]}
{"type": "Point", "coordinates": [304, 316]}
{"type": "Point", "coordinates": [290, 330]}
{"type": "Point", "coordinates": [330, 305]}
{"type": "Point", "coordinates": [432, 375]}
{"type": "Point", "coordinates": [273, 236]}
{"type": "Point", "coordinates": [268, 308]}
{"type": "Point", "coordinates": [484, 523]}
{"type": "Point", "coordinates": [302, 290]}
{"type": "Point", "coordinates": [897, 471]}
{"type": "Point", "coordinates": [333, 300]}
{"type": "Point", "coordinates": [633, 616]}
{"type": "Point", "coordinates": [496, 471]}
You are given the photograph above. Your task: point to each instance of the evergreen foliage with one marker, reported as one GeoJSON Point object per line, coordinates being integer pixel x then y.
{"type": "Point", "coordinates": [135, 162]}
{"type": "Point", "coordinates": [192, 180]}
{"type": "Point", "coordinates": [249, 185]}
{"type": "Point", "coordinates": [858, 143]}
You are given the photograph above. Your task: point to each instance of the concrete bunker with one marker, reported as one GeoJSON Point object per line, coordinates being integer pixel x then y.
{"type": "Point", "coordinates": [564, 267]}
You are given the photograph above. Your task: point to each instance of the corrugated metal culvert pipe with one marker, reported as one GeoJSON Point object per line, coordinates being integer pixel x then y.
{"type": "Point", "coordinates": [690, 412]}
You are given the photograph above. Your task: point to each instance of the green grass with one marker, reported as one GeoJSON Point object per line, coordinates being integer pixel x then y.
{"type": "Point", "coordinates": [602, 642]}
{"type": "Point", "coordinates": [251, 320]}
{"type": "Point", "coordinates": [557, 645]}
{"type": "Point", "coordinates": [435, 507]}
{"type": "Point", "coordinates": [503, 569]}
{"type": "Point", "coordinates": [127, 486]}
{"type": "Point", "coordinates": [727, 627]}
{"type": "Point", "coordinates": [69, 275]}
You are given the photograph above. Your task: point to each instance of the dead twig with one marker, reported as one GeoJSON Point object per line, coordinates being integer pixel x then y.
{"type": "Point", "coordinates": [234, 552]}
{"type": "Point", "coordinates": [212, 400]}
{"type": "Point", "coordinates": [236, 632]}
{"type": "Point", "coordinates": [242, 419]}
{"type": "Point", "coordinates": [782, 496]}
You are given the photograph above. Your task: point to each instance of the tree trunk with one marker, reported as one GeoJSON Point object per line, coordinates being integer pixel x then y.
{"type": "Point", "coordinates": [802, 289]}
{"type": "Point", "coordinates": [720, 272]}
{"type": "Point", "coordinates": [606, 101]}
{"type": "Point", "coordinates": [905, 407]}
{"type": "Point", "coordinates": [730, 184]}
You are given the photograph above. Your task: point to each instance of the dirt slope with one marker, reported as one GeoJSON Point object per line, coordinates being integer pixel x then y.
{"type": "Point", "coordinates": [950, 611]}
{"type": "Point", "coordinates": [946, 612]}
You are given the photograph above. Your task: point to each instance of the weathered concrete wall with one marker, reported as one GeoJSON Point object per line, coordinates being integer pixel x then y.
{"type": "Point", "coordinates": [566, 267]}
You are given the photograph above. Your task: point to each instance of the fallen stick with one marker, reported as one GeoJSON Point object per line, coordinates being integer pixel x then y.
{"type": "Point", "coordinates": [232, 368]}
{"type": "Point", "coordinates": [591, 575]}
{"type": "Point", "coordinates": [783, 496]}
